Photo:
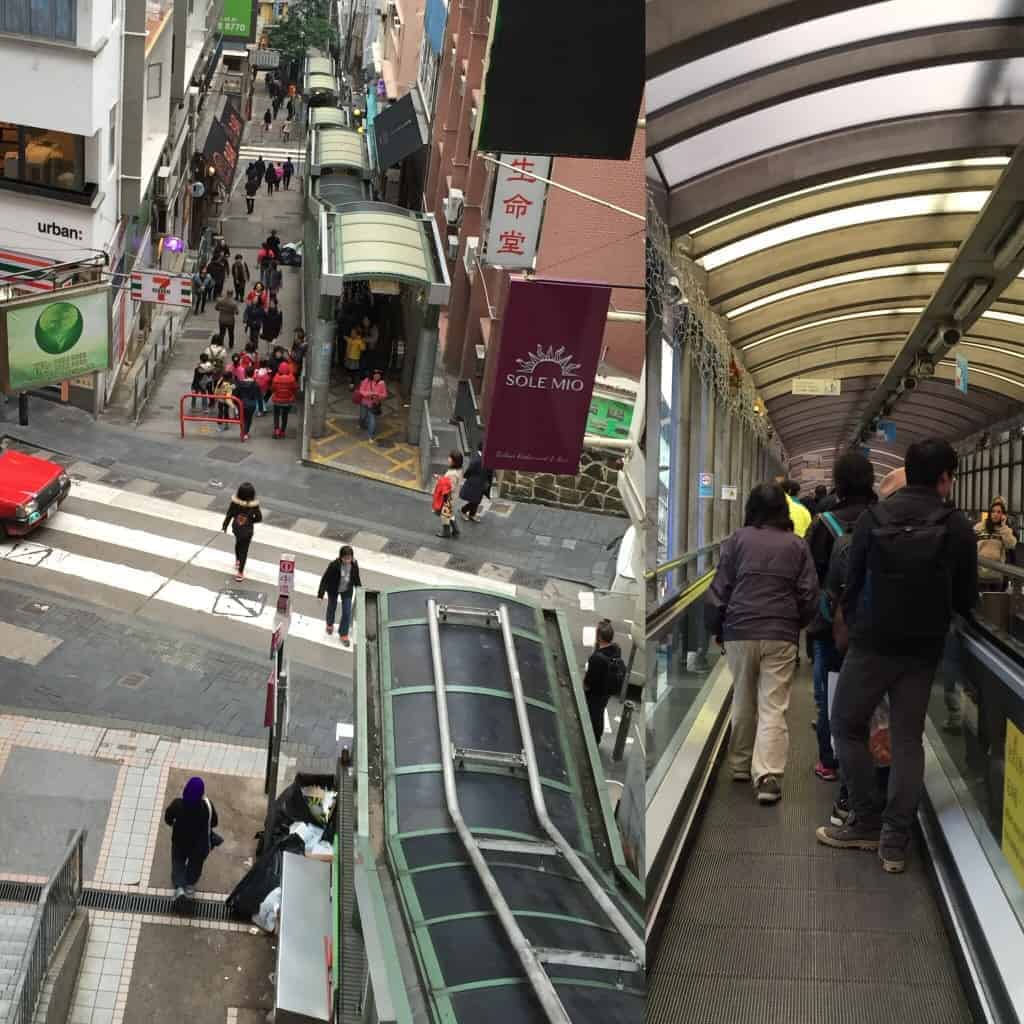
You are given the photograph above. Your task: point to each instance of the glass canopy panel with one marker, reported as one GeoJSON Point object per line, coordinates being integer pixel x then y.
{"type": "Point", "coordinates": [811, 37]}
{"type": "Point", "coordinates": [952, 87]}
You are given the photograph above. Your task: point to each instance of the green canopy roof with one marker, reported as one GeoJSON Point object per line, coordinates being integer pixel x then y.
{"type": "Point", "coordinates": [379, 243]}
{"type": "Point", "coordinates": [319, 66]}
{"type": "Point", "coordinates": [321, 82]}
{"type": "Point", "coordinates": [337, 147]}
{"type": "Point", "coordinates": [328, 117]}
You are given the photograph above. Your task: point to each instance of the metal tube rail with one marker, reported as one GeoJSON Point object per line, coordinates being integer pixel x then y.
{"type": "Point", "coordinates": [618, 919]}
{"type": "Point", "coordinates": [535, 973]}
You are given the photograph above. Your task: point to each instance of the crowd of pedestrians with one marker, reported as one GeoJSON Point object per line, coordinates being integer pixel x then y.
{"type": "Point", "coordinates": [875, 578]}
{"type": "Point", "coordinates": [261, 172]}
{"type": "Point", "coordinates": [263, 376]}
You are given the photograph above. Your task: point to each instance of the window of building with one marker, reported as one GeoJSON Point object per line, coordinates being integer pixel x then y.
{"type": "Point", "coordinates": [45, 19]}
{"type": "Point", "coordinates": [112, 139]}
{"type": "Point", "coordinates": [429, 68]}
{"type": "Point", "coordinates": [38, 156]}
{"type": "Point", "coordinates": [154, 76]}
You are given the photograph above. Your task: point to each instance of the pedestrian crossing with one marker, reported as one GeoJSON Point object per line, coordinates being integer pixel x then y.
{"type": "Point", "coordinates": [171, 561]}
{"type": "Point", "coordinates": [277, 154]}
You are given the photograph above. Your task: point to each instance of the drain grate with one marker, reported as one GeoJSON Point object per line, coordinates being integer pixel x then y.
{"type": "Point", "coordinates": [132, 681]}
{"type": "Point", "coordinates": [141, 903]}
{"type": "Point", "coordinates": [122, 902]}
{"type": "Point", "coordinates": [20, 892]}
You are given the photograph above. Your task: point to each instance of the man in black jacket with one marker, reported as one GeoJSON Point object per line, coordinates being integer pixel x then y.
{"type": "Point", "coordinates": [340, 578]}
{"type": "Point", "coordinates": [601, 680]}
{"type": "Point", "coordinates": [913, 563]}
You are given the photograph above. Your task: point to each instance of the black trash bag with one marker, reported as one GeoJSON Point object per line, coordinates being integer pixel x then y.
{"type": "Point", "coordinates": [262, 878]}
{"type": "Point", "coordinates": [291, 807]}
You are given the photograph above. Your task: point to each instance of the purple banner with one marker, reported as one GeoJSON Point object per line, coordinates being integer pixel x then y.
{"type": "Point", "coordinates": [551, 335]}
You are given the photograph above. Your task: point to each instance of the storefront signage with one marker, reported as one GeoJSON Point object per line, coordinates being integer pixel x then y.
{"type": "Point", "coordinates": [238, 20]}
{"type": "Point", "coordinates": [18, 263]}
{"type": "Point", "coordinates": [164, 289]}
{"type": "Point", "coordinates": [516, 211]}
{"type": "Point", "coordinates": [705, 485]}
{"type": "Point", "coordinates": [1013, 800]}
{"type": "Point", "coordinates": [46, 341]}
{"type": "Point", "coordinates": [232, 122]}
{"type": "Point", "coordinates": [811, 386]}
{"type": "Point", "coordinates": [609, 417]}
{"type": "Point", "coordinates": [547, 358]}
{"type": "Point", "coordinates": [221, 153]}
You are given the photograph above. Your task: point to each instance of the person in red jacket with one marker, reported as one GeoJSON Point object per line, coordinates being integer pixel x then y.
{"type": "Point", "coordinates": [258, 294]}
{"type": "Point", "coordinates": [282, 392]}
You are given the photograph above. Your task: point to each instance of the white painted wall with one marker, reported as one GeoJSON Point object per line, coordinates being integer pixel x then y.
{"type": "Point", "coordinates": [26, 225]}
{"type": "Point", "coordinates": [156, 121]}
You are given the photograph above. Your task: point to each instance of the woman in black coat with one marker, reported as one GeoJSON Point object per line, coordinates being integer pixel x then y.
{"type": "Point", "coordinates": [476, 484]}
{"type": "Point", "coordinates": [192, 818]}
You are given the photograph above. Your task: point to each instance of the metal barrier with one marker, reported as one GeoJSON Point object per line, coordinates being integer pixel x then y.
{"type": "Point", "coordinates": [237, 402]}
{"type": "Point", "coordinates": [154, 359]}
{"type": "Point", "coordinates": [467, 411]}
{"type": "Point", "coordinates": [57, 903]}
{"type": "Point", "coordinates": [428, 442]}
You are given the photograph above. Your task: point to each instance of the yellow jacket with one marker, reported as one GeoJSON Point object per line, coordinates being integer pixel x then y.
{"type": "Point", "coordinates": [800, 516]}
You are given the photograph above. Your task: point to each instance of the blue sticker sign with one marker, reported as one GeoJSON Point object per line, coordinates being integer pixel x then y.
{"type": "Point", "coordinates": [886, 431]}
{"type": "Point", "coordinates": [962, 374]}
{"type": "Point", "coordinates": [705, 485]}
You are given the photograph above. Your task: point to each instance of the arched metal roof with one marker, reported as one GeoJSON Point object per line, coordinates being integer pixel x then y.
{"type": "Point", "coordinates": [841, 174]}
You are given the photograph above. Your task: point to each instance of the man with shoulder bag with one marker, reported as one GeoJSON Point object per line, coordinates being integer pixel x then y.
{"type": "Point", "coordinates": [912, 565]}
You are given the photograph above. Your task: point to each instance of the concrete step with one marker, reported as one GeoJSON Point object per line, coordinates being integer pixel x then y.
{"type": "Point", "coordinates": [15, 924]}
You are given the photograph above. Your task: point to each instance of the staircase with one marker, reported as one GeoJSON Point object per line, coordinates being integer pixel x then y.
{"type": "Point", "coordinates": [15, 924]}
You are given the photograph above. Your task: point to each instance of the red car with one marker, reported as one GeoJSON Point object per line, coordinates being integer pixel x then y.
{"type": "Point", "coordinates": [30, 489]}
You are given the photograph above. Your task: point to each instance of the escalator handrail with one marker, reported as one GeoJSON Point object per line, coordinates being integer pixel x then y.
{"type": "Point", "coordinates": [664, 615]}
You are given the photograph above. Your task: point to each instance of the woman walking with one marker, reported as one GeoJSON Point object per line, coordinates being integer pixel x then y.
{"type": "Point", "coordinates": [373, 392]}
{"type": "Point", "coordinates": [340, 579]}
{"type": "Point", "coordinates": [243, 514]}
{"type": "Point", "coordinates": [282, 391]}
{"type": "Point", "coordinates": [764, 592]}
{"type": "Point", "coordinates": [445, 490]}
{"type": "Point", "coordinates": [267, 120]}
{"type": "Point", "coordinates": [192, 818]}
{"type": "Point", "coordinates": [270, 177]}
{"type": "Point", "coordinates": [476, 485]}
{"type": "Point", "coordinates": [272, 321]}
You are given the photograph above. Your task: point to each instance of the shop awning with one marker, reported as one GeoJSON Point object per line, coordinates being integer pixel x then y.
{"type": "Point", "coordinates": [339, 148]}
{"type": "Point", "coordinates": [401, 130]}
{"type": "Point", "coordinates": [328, 117]}
{"type": "Point", "coordinates": [376, 240]}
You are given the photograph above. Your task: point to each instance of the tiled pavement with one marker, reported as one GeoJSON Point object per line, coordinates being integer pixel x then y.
{"type": "Point", "coordinates": [132, 831]}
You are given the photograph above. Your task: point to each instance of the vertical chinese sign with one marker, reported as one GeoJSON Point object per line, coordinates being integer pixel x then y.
{"type": "Point", "coordinates": [550, 345]}
{"type": "Point", "coordinates": [516, 211]}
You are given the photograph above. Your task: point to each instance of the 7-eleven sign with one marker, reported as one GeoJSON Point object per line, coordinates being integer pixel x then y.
{"type": "Point", "coordinates": [165, 289]}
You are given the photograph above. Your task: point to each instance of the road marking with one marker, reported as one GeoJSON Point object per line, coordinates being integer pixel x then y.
{"type": "Point", "coordinates": [586, 600]}
{"type": "Point", "coordinates": [405, 569]}
{"type": "Point", "coordinates": [153, 586]}
{"type": "Point", "coordinates": [589, 636]}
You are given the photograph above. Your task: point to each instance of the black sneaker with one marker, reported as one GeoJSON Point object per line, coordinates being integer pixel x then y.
{"type": "Point", "coordinates": [853, 835]}
{"type": "Point", "coordinates": [892, 852]}
{"type": "Point", "coordinates": [840, 812]}
{"type": "Point", "coordinates": [768, 790]}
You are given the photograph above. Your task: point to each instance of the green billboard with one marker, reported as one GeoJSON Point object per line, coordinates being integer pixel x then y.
{"type": "Point", "coordinates": [609, 417]}
{"type": "Point", "coordinates": [238, 20]}
{"type": "Point", "coordinates": [53, 339]}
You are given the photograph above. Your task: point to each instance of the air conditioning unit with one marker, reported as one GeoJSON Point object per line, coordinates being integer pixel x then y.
{"type": "Point", "coordinates": [453, 204]}
{"type": "Point", "coordinates": [481, 359]}
{"type": "Point", "coordinates": [453, 247]}
{"type": "Point", "coordinates": [471, 255]}
{"type": "Point", "coordinates": [462, 85]}
{"type": "Point", "coordinates": [472, 119]}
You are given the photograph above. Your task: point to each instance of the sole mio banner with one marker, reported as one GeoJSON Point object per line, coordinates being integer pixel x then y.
{"type": "Point", "coordinates": [550, 346]}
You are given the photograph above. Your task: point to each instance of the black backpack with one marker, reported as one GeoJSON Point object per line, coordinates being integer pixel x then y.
{"type": "Point", "coordinates": [838, 562]}
{"type": "Point", "coordinates": [616, 674]}
{"type": "Point", "coordinates": [908, 594]}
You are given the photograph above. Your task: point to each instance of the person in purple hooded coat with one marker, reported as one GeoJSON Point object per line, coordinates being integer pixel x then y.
{"type": "Point", "coordinates": [192, 818]}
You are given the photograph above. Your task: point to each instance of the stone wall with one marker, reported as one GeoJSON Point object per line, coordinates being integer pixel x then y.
{"type": "Point", "coordinates": [594, 489]}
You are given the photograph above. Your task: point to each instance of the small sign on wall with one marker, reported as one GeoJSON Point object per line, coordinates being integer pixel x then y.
{"type": "Point", "coordinates": [705, 485]}
{"type": "Point", "coordinates": [729, 493]}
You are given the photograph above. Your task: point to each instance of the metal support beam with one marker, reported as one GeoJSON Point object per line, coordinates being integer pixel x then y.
{"type": "Point", "coordinates": [984, 256]}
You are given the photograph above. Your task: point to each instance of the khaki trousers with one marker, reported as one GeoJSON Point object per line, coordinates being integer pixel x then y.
{"type": "Point", "coordinates": [762, 672]}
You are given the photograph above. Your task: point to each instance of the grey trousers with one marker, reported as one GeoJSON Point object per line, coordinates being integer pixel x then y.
{"type": "Point", "coordinates": [865, 678]}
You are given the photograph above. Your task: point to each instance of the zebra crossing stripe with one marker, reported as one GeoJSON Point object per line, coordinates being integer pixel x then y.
{"type": "Point", "coordinates": [154, 587]}
{"type": "Point", "coordinates": [406, 569]}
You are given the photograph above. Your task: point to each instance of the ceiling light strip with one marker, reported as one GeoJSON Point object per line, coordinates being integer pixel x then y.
{"type": "Point", "coordinates": [892, 172]}
{"type": "Point", "coordinates": [853, 277]}
{"type": "Point", "coordinates": [863, 315]}
{"type": "Point", "coordinates": [850, 216]}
